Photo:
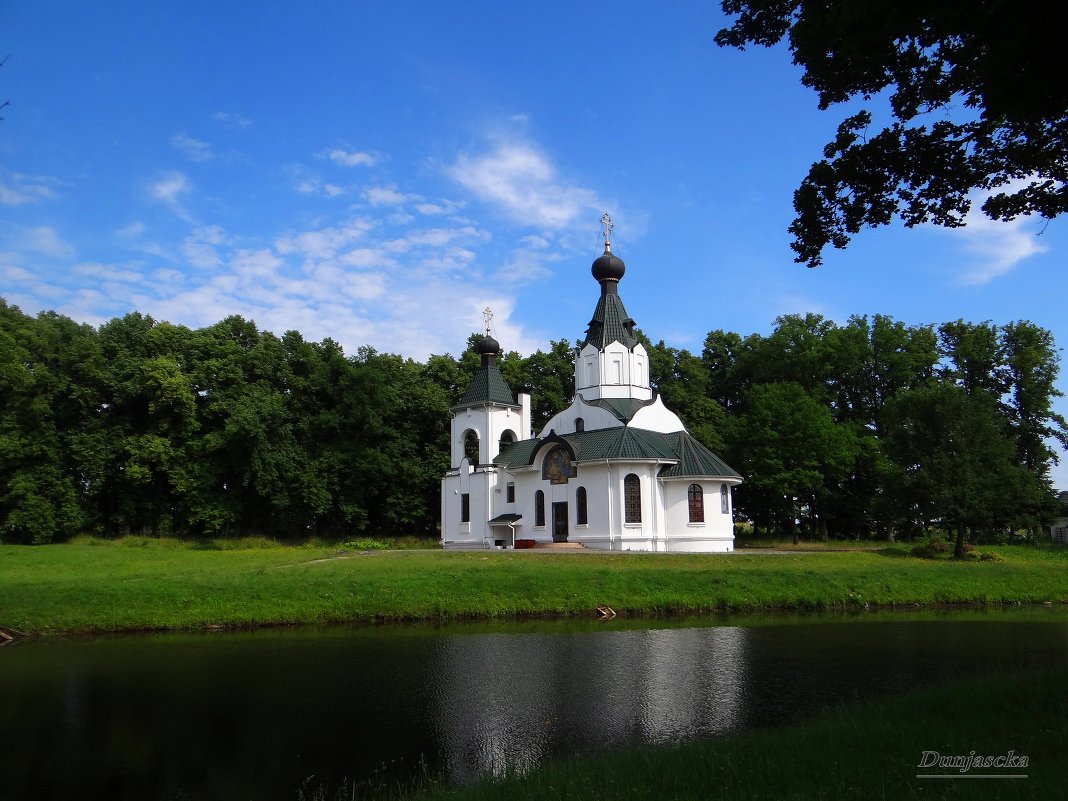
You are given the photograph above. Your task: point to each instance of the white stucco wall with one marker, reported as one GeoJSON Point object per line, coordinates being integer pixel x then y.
{"type": "Point", "coordinates": [593, 418]}
{"type": "Point", "coordinates": [615, 372]}
{"type": "Point", "coordinates": [489, 423]}
{"type": "Point", "coordinates": [657, 417]}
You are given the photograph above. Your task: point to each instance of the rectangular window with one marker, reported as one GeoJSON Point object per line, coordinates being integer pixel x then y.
{"type": "Point", "coordinates": [465, 508]}
{"type": "Point", "coordinates": [509, 493]}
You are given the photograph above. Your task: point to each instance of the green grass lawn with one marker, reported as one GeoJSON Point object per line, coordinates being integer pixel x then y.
{"type": "Point", "coordinates": [143, 584]}
{"type": "Point", "coordinates": [869, 751]}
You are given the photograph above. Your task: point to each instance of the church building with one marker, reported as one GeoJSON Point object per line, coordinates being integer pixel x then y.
{"type": "Point", "coordinates": [616, 470]}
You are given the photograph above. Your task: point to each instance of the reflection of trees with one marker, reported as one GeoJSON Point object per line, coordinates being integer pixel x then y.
{"type": "Point", "coordinates": [505, 702]}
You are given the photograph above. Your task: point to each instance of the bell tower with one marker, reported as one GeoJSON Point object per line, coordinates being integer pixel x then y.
{"type": "Point", "coordinates": [610, 361]}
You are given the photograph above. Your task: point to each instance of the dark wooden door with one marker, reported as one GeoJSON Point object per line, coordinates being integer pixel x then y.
{"type": "Point", "coordinates": [560, 522]}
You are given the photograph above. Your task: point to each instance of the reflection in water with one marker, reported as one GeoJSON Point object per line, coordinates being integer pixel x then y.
{"type": "Point", "coordinates": [252, 715]}
{"type": "Point", "coordinates": [503, 702]}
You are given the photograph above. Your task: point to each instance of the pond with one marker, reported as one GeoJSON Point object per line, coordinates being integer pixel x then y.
{"type": "Point", "coordinates": [254, 715]}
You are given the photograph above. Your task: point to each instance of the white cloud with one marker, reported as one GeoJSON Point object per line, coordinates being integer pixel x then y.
{"type": "Point", "coordinates": [192, 149]}
{"type": "Point", "coordinates": [439, 207]}
{"type": "Point", "coordinates": [387, 196]}
{"type": "Point", "coordinates": [17, 189]}
{"type": "Point", "coordinates": [437, 237]}
{"type": "Point", "coordinates": [169, 190]}
{"type": "Point", "coordinates": [131, 231]}
{"type": "Point", "coordinates": [997, 246]}
{"type": "Point", "coordinates": [535, 241]}
{"type": "Point", "coordinates": [108, 272]}
{"type": "Point", "coordinates": [324, 243]}
{"type": "Point", "coordinates": [367, 257]}
{"type": "Point", "coordinates": [524, 184]}
{"type": "Point", "coordinates": [231, 120]}
{"type": "Point", "coordinates": [199, 248]}
{"type": "Point", "coordinates": [45, 240]}
{"type": "Point", "coordinates": [350, 158]}
{"type": "Point", "coordinates": [16, 275]}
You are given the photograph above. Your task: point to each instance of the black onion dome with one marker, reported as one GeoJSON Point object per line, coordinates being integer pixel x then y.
{"type": "Point", "coordinates": [489, 346]}
{"type": "Point", "coordinates": [608, 266]}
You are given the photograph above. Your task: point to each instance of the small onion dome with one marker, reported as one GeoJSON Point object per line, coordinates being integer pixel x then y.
{"type": "Point", "coordinates": [608, 266]}
{"type": "Point", "coordinates": [489, 346]}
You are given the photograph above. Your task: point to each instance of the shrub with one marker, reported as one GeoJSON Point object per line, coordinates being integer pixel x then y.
{"type": "Point", "coordinates": [991, 557]}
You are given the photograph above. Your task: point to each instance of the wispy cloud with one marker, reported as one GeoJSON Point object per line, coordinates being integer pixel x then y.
{"type": "Point", "coordinates": [192, 149]}
{"type": "Point", "coordinates": [350, 158]}
{"type": "Point", "coordinates": [388, 196]}
{"type": "Point", "coordinates": [44, 240]}
{"type": "Point", "coordinates": [231, 120]}
{"type": "Point", "coordinates": [17, 188]}
{"type": "Point", "coordinates": [997, 247]}
{"type": "Point", "coordinates": [169, 190]}
{"type": "Point", "coordinates": [110, 273]}
{"type": "Point", "coordinates": [524, 183]}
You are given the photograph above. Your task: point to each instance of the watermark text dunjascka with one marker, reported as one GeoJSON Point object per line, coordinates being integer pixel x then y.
{"type": "Point", "coordinates": [963, 764]}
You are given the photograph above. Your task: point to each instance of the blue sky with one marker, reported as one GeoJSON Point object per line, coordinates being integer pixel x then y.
{"type": "Point", "coordinates": [379, 173]}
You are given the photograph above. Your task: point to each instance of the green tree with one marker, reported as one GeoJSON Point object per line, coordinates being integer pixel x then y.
{"type": "Point", "coordinates": [976, 99]}
{"type": "Point", "coordinates": [957, 465]}
{"type": "Point", "coordinates": [792, 454]}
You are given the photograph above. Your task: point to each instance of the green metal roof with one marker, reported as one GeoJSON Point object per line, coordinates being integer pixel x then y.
{"type": "Point", "coordinates": [620, 442]}
{"type": "Point", "coordinates": [695, 459]}
{"type": "Point", "coordinates": [610, 323]}
{"type": "Point", "coordinates": [623, 408]}
{"type": "Point", "coordinates": [518, 453]}
{"type": "Point", "coordinates": [488, 386]}
{"type": "Point", "coordinates": [504, 519]}
{"type": "Point", "coordinates": [625, 442]}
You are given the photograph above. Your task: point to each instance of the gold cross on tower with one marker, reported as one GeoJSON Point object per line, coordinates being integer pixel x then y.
{"type": "Point", "coordinates": [606, 230]}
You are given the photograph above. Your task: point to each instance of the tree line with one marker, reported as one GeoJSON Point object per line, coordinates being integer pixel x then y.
{"type": "Point", "coordinates": [872, 428]}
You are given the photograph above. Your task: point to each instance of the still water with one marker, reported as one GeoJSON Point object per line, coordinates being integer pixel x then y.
{"type": "Point", "coordinates": [253, 715]}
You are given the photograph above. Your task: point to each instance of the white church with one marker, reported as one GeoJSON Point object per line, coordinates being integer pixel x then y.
{"type": "Point", "coordinates": [616, 470]}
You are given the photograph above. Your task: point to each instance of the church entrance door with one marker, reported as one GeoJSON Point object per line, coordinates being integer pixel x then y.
{"type": "Point", "coordinates": [560, 522]}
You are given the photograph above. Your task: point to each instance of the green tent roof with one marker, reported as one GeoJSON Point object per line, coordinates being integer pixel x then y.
{"type": "Point", "coordinates": [695, 459]}
{"type": "Point", "coordinates": [610, 323]}
{"type": "Point", "coordinates": [488, 386]}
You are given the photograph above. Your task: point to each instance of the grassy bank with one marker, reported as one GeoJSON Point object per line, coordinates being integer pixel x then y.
{"type": "Point", "coordinates": [140, 584]}
{"type": "Point", "coordinates": [867, 751]}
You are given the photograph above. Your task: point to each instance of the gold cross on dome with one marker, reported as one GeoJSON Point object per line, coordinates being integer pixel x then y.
{"type": "Point", "coordinates": [487, 316]}
{"type": "Point", "coordinates": [606, 228]}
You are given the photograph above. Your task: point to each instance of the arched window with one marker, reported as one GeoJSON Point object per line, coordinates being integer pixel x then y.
{"type": "Point", "coordinates": [580, 425]}
{"type": "Point", "coordinates": [539, 508]}
{"type": "Point", "coordinates": [580, 506]}
{"type": "Point", "coordinates": [632, 499]}
{"type": "Point", "coordinates": [695, 497]}
{"type": "Point", "coordinates": [471, 447]}
{"type": "Point", "coordinates": [724, 499]}
{"type": "Point", "coordinates": [507, 438]}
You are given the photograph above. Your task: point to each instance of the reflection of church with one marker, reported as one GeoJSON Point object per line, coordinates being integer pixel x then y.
{"type": "Point", "coordinates": [615, 470]}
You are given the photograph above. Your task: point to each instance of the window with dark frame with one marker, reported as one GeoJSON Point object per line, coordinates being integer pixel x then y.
{"type": "Point", "coordinates": [465, 508]}
{"type": "Point", "coordinates": [580, 506]}
{"type": "Point", "coordinates": [724, 499]}
{"type": "Point", "coordinates": [580, 425]}
{"type": "Point", "coordinates": [539, 508]}
{"type": "Point", "coordinates": [632, 499]}
{"type": "Point", "coordinates": [695, 497]}
{"type": "Point", "coordinates": [509, 492]}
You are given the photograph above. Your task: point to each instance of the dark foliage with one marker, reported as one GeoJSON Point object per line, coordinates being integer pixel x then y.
{"type": "Point", "coordinates": [975, 90]}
